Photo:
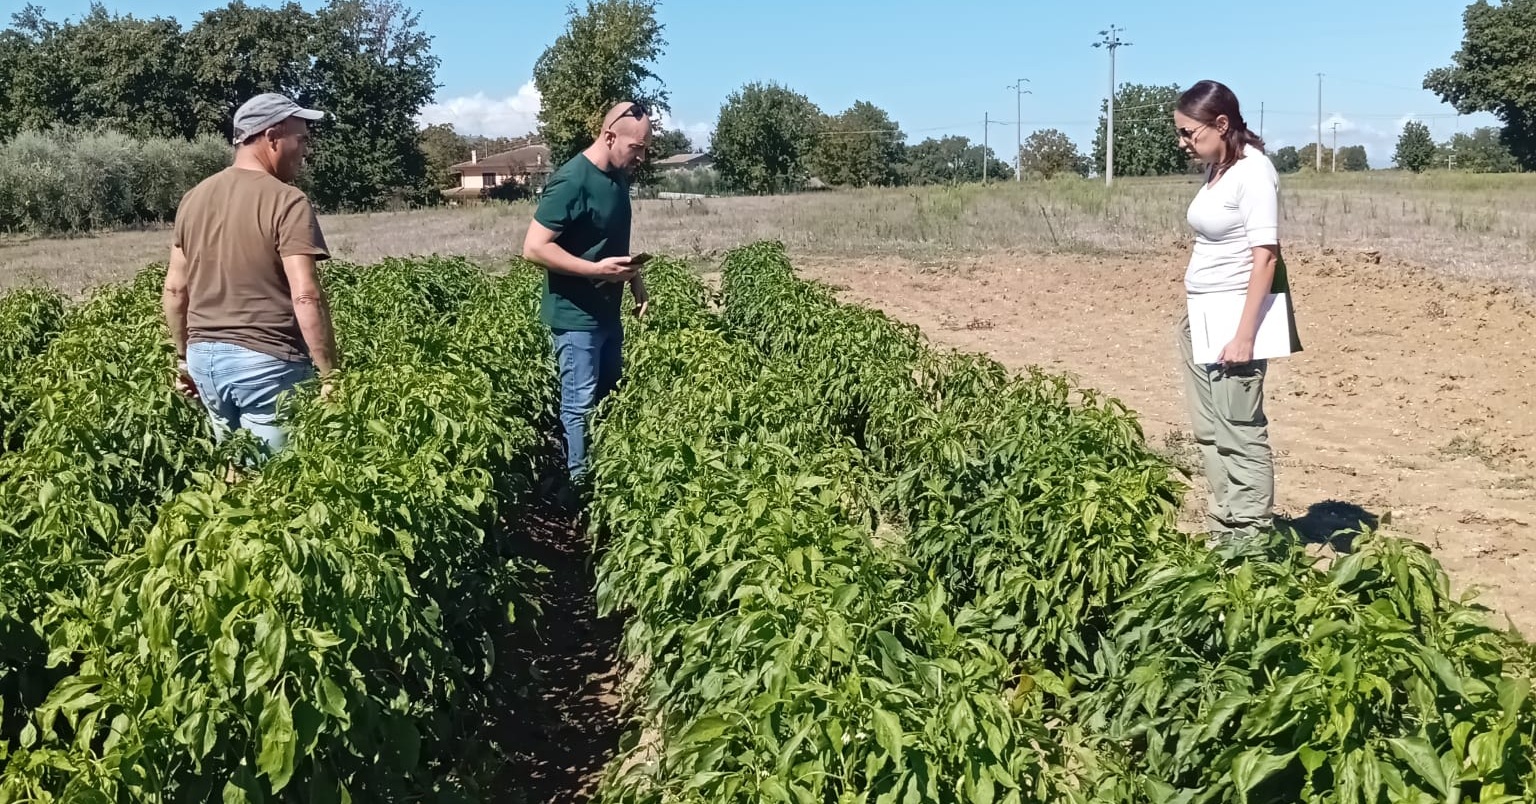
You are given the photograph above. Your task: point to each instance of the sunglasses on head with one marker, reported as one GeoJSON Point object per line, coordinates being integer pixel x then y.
{"type": "Point", "coordinates": [636, 110]}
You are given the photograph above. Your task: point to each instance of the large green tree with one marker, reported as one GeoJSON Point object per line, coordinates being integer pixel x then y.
{"type": "Point", "coordinates": [442, 148]}
{"type": "Point", "coordinates": [1352, 158]}
{"type": "Point", "coordinates": [112, 71]}
{"type": "Point", "coordinates": [603, 57]}
{"type": "Point", "coordinates": [1415, 148]}
{"type": "Point", "coordinates": [131, 75]}
{"type": "Point", "coordinates": [1145, 144]}
{"type": "Point", "coordinates": [1308, 157]}
{"type": "Point", "coordinates": [953, 160]}
{"type": "Point", "coordinates": [35, 96]}
{"type": "Point", "coordinates": [859, 147]}
{"type": "Point", "coordinates": [764, 138]}
{"type": "Point", "coordinates": [364, 61]}
{"type": "Point", "coordinates": [1482, 151]}
{"type": "Point", "coordinates": [244, 50]}
{"type": "Point", "coordinates": [670, 142]}
{"type": "Point", "coordinates": [1287, 159]}
{"type": "Point", "coordinates": [373, 72]}
{"type": "Point", "coordinates": [1049, 153]}
{"type": "Point", "coordinates": [1492, 72]}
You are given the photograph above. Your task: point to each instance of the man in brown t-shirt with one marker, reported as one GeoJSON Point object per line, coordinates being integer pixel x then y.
{"type": "Point", "coordinates": [242, 297]}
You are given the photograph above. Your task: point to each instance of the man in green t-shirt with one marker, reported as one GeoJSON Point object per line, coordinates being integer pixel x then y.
{"type": "Point", "coordinates": [580, 235]}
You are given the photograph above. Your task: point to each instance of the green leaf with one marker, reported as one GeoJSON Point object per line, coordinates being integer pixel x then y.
{"type": "Point", "coordinates": [1513, 693]}
{"type": "Point", "coordinates": [1487, 753]}
{"type": "Point", "coordinates": [278, 741]}
{"type": "Point", "coordinates": [771, 789]}
{"type": "Point", "coordinates": [242, 788]}
{"type": "Point", "coordinates": [1418, 754]}
{"type": "Point", "coordinates": [271, 640]}
{"type": "Point", "coordinates": [1220, 713]}
{"type": "Point", "coordinates": [333, 701]}
{"type": "Point", "coordinates": [811, 482]}
{"type": "Point", "coordinates": [1255, 765]}
{"type": "Point", "coordinates": [888, 734]}
{"type": "Point", "coordinates": [986, 790]}
{"type": "Point", "coordinates": [1311, 758]}
{"type": "Point", "coordinates": [704, 730]}
{"type": "Point", "coordinates": [1443, 668]}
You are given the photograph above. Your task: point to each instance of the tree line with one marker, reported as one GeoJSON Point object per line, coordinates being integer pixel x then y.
{"type": "Point", "coordinates": [173, 88]}
{"type": "Point", "coordinates": [364, 61]}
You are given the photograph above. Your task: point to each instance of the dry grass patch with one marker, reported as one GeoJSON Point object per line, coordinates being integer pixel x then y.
{"type": "Point", "coordinates": [1478, 227]}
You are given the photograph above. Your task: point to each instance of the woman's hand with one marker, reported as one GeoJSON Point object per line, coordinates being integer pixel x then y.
{"type": "Point", "coordinates": [1236, 353]}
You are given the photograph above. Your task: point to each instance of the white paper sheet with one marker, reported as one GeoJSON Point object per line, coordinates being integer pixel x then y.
{"type": "Point", "coordinates": [1213, 320]}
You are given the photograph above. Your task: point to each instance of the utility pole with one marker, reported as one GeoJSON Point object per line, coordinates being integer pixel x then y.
{"type": "Point", "coordinates": [1450, 156]}
{"type": "Point", "coordinates": [1319, 122]}
{"type": "Point", "coordinates": [1261, 120]}
{"type": "Point", "coordinates": [1111, 41]}
{"type": "Point", "coordinates": [1335, 146]}
{"type": "Point", "coordinates": [1018, 127]}
{"type": "Point", "coordinates": [986, 129]}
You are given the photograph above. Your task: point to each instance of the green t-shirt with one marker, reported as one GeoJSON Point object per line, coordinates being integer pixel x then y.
{"type": "Point", "coordinates": [589, 212]}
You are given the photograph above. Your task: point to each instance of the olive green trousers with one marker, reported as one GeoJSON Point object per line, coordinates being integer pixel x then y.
{"type": "Point", "coordinates": [1226, 408]}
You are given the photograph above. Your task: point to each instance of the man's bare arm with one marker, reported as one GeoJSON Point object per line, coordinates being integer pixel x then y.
{"type": "Point", "coordinates": [173, 300]}
{"type": "Point", "coordinates": [312, 310]}
{"type": "Point", "coordinates": [539, 247]}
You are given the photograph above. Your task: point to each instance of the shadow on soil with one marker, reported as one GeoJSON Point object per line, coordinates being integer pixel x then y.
{"type": "Point", "coordinates": [1332, 523]}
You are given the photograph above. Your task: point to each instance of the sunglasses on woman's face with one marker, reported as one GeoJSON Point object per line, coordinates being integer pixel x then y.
{"type": "Point", "coordinates": [1187, 134]}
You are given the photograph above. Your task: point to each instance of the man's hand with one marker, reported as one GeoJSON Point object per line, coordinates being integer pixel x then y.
{"type": "Point", "coordinates": [642, 297]}
{"type": "Point", "coordinates": [184, 384]}
{"type": "Point", "coordinates": [614, 269]}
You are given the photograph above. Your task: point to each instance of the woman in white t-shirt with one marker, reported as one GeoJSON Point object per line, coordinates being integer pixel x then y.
{"type": "Point", "coordinates": [1235, 218]}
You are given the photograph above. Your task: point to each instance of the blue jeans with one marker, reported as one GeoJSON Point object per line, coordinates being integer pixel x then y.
{"type": "Point", "coordinates": [241, 388]}
{"type": "Point", "coordinates": [590, 364]}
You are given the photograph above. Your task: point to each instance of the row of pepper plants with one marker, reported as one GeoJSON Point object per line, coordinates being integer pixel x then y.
{"type": "Point", "coordinates": [30, 318]}
{"type": "Point", "coordinates": [782, 649]}
{"type": "Point", "coordinates": [97, 441]}
{"type": "Point", "coordinates": [1251, 675]}
{"type": "Point", "coordinates": [320, 630]}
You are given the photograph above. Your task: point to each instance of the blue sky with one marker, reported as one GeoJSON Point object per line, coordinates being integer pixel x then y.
{"type": "Point", "coordinates": [940, 67]}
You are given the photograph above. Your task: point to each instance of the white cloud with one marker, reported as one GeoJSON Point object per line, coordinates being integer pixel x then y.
{"type": "Point", "coordinates": [518, 114]}
{"type": "Point", "coordinates": [698, 133]}
{"type": "Point", "coordinates": [512, 116]}
{"type": "Point", "coordinates": [1344, 123]}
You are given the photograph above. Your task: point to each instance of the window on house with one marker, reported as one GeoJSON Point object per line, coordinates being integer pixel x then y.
{"type": "Point", "coordinates": [488, 179]}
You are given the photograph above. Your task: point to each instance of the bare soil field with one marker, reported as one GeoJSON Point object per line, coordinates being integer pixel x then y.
{"type": "Point", "coordinates": [1411, 409]}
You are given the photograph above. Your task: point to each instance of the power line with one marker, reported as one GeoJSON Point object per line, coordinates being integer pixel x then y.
{"type": "Point", "coordinates": [1379, 85]}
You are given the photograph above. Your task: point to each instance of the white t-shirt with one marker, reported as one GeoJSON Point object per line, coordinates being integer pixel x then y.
{"type": "Point", "coordinates": [1230, 219]}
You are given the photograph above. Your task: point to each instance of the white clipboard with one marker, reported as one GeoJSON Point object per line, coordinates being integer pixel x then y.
{"type": "Point", "coordinates": [1213, 321]}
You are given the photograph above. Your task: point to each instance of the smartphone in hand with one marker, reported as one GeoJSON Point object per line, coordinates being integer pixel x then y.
{"type": "Point", "coordinates": [639, 259]}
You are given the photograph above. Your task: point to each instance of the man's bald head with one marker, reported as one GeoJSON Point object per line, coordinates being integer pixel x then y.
{"type": "Point", "coordinates": [625, 135]}
{"type": "Point", "coordinates": [627, 115]}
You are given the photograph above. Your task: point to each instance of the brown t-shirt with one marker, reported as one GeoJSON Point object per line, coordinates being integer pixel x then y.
{"type": "Point", "coordinates": [236, 227]}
